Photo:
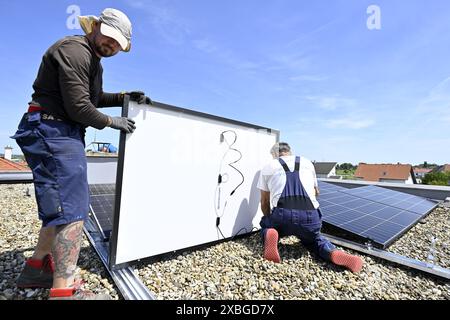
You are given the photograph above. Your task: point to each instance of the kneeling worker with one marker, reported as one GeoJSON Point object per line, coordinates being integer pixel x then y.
{"type": "Point", "coordinates": [289, 183]}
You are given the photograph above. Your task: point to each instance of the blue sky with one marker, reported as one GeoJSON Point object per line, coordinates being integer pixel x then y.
{"type": "Point", "coordinates": [312, 69]}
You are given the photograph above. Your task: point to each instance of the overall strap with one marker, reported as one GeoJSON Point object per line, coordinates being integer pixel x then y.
{"type": "Point", "coordinates": [297, 164]}
{"type": "Point", "coordinates": [286, 168]}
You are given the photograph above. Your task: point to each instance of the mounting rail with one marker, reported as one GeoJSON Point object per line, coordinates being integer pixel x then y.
{"type": "Point", "coordinates": [432, 269]}
{"type": "Point", "coordinates": [126, 280]}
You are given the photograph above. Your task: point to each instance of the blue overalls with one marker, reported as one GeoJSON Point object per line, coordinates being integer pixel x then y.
{"type": "Point", "coordinates": [295, 215]}
{"type": "Point", "coordinates": [54, 150]}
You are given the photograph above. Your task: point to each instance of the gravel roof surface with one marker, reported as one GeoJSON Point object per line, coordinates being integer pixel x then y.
{"type": "Point", "coordinates": [19, 229]}
{"type": "Point", "coordinates": [236, 269]}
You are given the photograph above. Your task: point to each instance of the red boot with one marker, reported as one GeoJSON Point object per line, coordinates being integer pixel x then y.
{"type": "Point", "coordinates": [74, 292]}
{"type": "Point", "coordinates": [37, 273]}
{"type": "Point", "coordinates": [351, 262]}
{"type": "Point", "coordinates": [271, 246]}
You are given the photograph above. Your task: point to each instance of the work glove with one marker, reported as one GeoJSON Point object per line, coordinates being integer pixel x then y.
{"type": "Point", "coordinates": [122, 123]}
{"type": "Point", "coordinates": [139, 97]}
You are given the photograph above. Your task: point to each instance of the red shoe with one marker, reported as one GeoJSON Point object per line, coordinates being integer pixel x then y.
{"type": "Point", "coordinates": [351, 262]}
{"type": "Point", "coordinates": [74, 292]}
{"type": "Point", "coordinates": [37, 273]}
{"type": "Point", "coordinates": [271, 246]}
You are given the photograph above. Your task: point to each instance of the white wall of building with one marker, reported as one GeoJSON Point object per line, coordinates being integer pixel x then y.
{"type": "Point", "coordinates": [332, 172]}
{"type": "Point", "coordinates": [408, 181]}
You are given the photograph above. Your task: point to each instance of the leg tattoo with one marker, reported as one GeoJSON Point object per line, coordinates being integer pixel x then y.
{"type": "Point", "coordinates": [67, 249]}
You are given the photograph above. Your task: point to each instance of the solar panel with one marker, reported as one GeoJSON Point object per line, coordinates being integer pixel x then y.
{"type": "Point", "coordinates": [326, 188]}
{"type": "Point", "coordinates": [102, 198]}
{"type": "Point", "coordinates": [392, 198]}
{"type": "Point", "coordinates": [97, 189]}
{"type": "Point", "coordinates": [374, 213]}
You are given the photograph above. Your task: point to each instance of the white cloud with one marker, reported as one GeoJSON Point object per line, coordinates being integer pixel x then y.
{"type": "Point", "coordinates": [350, 123]}
{"type": "Point", "coordinates": [167, 24]}
{"type": "Point", "coordinates": [313, 33]}
{"type": "Point", "coordinates": [332, 102]}
{"type": "Point", "coordinates": [205, 46]}
{"type": "Point", "coordinates": [292, 62]}
{"type": "Point", "coordinates": [436, 107]}
{"type": "Point", "coordinates": [225, 55]}
{"type": "Point", "coordinates": [308, 78]}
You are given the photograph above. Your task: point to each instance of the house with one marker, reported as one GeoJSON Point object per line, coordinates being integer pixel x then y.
{"type": "Point", "coordinates": [396, 173]}
{"type": "Point", "coordinates": [421, 172]}
{"type": "Point", "coordinates": [325, 169]}
{"type": "Point", "coordinates": [443, 168]}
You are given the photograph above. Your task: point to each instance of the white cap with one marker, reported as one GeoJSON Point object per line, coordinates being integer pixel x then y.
{"type": "Point", "coordinates": [114, 24]}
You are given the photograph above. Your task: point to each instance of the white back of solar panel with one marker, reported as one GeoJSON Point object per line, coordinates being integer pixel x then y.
{"type": "Point", "coordinates": [170, 197]}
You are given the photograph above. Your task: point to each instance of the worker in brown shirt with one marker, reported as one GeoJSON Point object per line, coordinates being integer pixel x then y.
{"type": "Point", "coordinates": [67, 94]}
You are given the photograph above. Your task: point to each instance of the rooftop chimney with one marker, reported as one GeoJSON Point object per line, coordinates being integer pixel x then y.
{"type": "Point", "coordinates": [8, 153]}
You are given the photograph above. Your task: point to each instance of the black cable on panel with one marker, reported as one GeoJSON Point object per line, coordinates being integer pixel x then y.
{"type": "Point", "coordinates": [223, 178]}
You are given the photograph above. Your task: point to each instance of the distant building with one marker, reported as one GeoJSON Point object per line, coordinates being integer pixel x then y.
{"type": "Point", "coordinates": [421, 172]}
{"type": "Point", "coordinates": [325, 169]}
{"type": "Point", "coordinates": [443, 168]}
{"type": "Point", "coordinates": [396, 173]}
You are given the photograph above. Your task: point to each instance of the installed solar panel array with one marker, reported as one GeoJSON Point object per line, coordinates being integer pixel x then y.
{"type": "Point", "coordinates": [102, 204]}
{"type": "Point", "coordinates": [371, 212]}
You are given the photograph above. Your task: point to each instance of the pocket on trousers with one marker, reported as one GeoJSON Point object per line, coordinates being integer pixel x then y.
{"type": "Point", "coordinates": [49, 203]}
{"type": "Point", "coordinates": [22, 134]}
{"type": "Point", "coordinates": [31, 143]}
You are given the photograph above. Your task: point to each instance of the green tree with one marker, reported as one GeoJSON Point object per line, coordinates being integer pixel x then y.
{"type": "Point", "coordinates": [437, 178]}
{"type": "Point", "coordinates": [345, 166]}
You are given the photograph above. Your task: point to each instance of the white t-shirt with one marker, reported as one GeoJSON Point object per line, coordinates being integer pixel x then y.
{"type": "Point", "coordinates": [273, 178]}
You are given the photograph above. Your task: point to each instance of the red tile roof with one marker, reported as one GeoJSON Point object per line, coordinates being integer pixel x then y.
{"type": "Point", "coordinates": [9, 166]}
{"type": "Point", "coordinates": [375, 172]}
{"type": "Point", "coordinates": [422, 170]}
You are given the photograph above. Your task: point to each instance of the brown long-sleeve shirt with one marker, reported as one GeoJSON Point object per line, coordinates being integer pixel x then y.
{"type": "Point", "coordinates": [69, 83]}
